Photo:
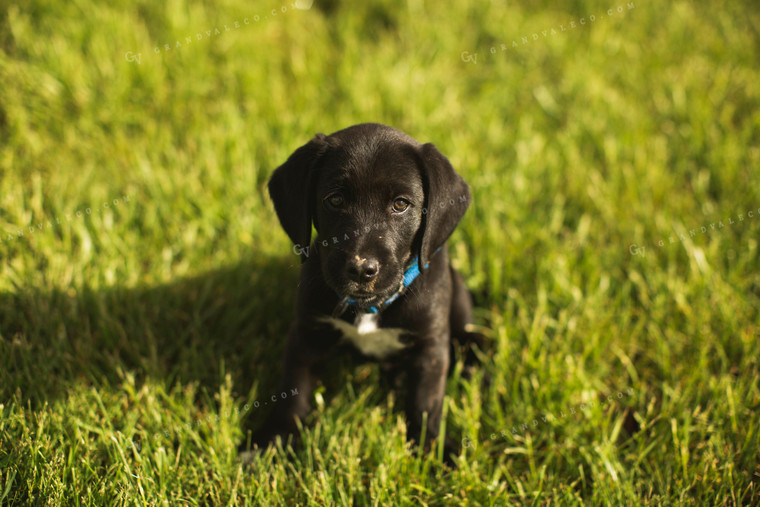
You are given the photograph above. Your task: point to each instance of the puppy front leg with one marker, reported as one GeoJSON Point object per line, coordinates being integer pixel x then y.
{"type": "Point", "coordinates": [298, 383]}
{"type": "Point", "coordinates": [427, 385]}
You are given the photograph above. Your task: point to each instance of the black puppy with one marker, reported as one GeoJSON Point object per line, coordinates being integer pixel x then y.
{"type": "Point", "coordinates": [377, 275]}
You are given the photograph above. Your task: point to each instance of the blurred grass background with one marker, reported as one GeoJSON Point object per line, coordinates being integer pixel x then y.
{"type": "Point", "coordinates": [133, 337]}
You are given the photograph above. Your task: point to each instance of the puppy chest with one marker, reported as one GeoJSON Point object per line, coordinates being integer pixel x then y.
{"type": "Point", "coordinates": [370, 339]}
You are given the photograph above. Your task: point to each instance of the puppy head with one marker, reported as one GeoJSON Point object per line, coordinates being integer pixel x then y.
{"type": "Point", "coordinates": [376, 197]}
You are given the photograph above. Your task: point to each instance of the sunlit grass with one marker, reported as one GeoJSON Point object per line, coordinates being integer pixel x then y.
{"type": "Point", "coordinates": [612, 248]}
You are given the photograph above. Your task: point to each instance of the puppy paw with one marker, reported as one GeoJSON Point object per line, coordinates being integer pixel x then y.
{"type": "Point", "coordinates": [451, 450]}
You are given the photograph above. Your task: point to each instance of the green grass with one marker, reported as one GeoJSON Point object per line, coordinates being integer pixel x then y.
{"type": "Point", "coordinates": [133, 337]}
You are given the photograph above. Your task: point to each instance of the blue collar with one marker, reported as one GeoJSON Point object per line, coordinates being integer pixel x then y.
{"type": "Point", "coordinates": [411, 273]}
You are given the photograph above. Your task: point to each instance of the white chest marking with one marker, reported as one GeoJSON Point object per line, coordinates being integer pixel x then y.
{"type": "Point", "coordinates": [371, 340]}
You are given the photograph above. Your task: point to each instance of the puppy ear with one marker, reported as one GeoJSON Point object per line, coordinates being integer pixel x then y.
{"type": "Point", "coordinates": [290, 188]}
{"type": "Point", "coordinates": [447, 197]}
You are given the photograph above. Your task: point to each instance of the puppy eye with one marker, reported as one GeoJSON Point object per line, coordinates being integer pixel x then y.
{"type": "Point", "coordinates": [400, 205]}
{"type": "Point", "coordinates": [335, 200]}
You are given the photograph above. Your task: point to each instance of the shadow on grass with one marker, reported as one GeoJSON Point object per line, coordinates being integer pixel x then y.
{"type": "Point", "coordinates": [232, 321]}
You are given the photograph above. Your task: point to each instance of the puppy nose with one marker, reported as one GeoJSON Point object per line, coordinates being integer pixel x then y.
{"type": "Point", "coordinates": [362, 270]}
